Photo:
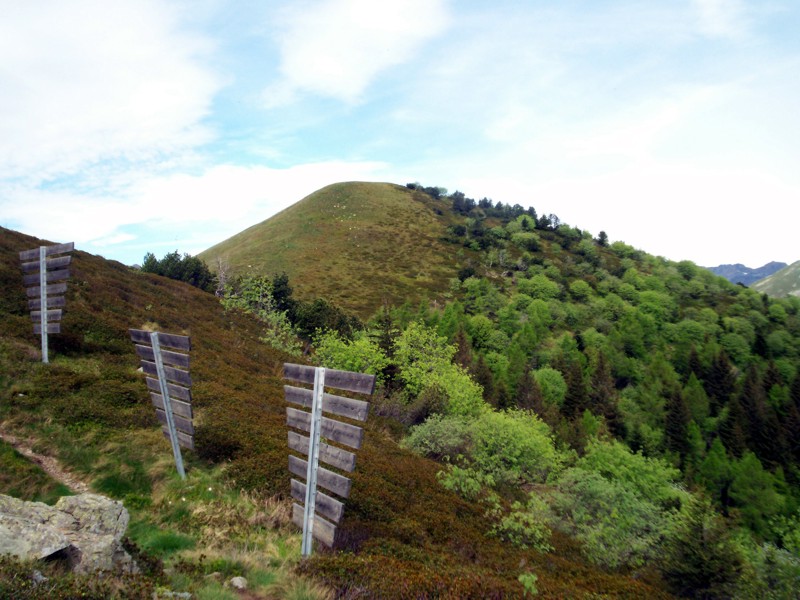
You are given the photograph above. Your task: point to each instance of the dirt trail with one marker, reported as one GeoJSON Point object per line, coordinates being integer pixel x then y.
{"type": "Point", "coordinates": [48, 464]}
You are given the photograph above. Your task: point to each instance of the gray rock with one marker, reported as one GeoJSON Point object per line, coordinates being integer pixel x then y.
{"type": "Point", "coordinates": [238, 583]}
{"type": "Point", "coordinates": [86, 531]}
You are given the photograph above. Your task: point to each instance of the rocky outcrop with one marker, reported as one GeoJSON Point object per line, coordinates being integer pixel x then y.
{"type": "Point", "coordinates": [85, 531]}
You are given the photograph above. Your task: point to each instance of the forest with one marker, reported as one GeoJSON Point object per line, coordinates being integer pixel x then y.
{"type": "Point", "coordinates": [648, 408]}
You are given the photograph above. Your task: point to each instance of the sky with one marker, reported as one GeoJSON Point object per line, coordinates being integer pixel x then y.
{"type": "Point", "coordinates": [134, 126]}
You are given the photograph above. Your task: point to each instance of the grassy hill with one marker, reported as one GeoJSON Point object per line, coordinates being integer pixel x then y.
{"type": "Point", "coordinates": [356, 244]}
{"type": "Point", "coordinates": [782, 284]}
{"type": "Point", "coordinates": [403, 535]}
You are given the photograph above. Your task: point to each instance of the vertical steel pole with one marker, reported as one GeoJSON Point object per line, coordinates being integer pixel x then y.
{"type": "Point", "coordinates": [313, 462]}
{"type": "Point", "coordinates": [162, 382]}
{"type": "Point", "coordinates": [43, 294]}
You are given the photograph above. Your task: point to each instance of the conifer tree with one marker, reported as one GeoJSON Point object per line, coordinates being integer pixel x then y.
{"type": "Point", "coordinates": [702, 560]}
{"type": "Point", "coordinates": [575, 402]}
{"type": "Point", "coordinates": [733, 428]}
{"type": "Point", "coordinates": [719, 381]}
{"type": "Point", "coordinates": [676, 423]}
{"type": "Point", "coordinates": [695, 365]}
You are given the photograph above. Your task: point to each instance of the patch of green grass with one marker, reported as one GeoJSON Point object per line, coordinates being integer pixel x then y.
{"type": "Point", "coordinates": [24, 479]}
{"type": "Point", "coordinates": [215, 591]}
{"type": "Point", "coordinates": [157, 541]}
{"type": "Point", "coordinates": [259, 579]}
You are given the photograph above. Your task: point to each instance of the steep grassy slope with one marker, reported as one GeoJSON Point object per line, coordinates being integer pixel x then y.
{"type": "Point", "coordinates": [782, 284]}
{"type": "Point", "coordinates": [404, 536]}
{"type": "Point", "coordinates": [353, 243]}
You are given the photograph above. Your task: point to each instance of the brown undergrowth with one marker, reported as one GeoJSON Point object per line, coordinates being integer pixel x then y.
{"type": "Point", "coordinates": [403, 535]}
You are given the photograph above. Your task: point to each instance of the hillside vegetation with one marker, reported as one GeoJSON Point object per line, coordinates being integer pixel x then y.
{"type": "Point", "coordinates": [355, 244]}
{"type": "Point", "coordinates": [404, 534]}
{"type": "Point", "coordinates": [645, 408]}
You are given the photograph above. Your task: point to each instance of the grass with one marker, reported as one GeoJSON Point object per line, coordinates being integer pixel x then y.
{"type": "Point", "coordinates": [21, 478]}
{"type": "Point", "coordinates": [380, 239]}
{"type": "Point", "coordinates": [402, 534]}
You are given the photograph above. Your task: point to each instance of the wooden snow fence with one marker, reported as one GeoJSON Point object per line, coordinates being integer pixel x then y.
{"type": "Point", "coordinates": [45, 276]}
{"type": "Point", "coordinates": [319, 512]}
{"type": "Point", "coordinates": [165, 362]}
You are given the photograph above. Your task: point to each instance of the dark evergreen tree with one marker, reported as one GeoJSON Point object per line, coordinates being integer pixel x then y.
{"type": "Point", "coordinates": [529, 394]}
{"type": "Point", "coordinates": [702, 560]}
{"type": "Point", "coordinates": [282, 295]}
{"type": "Point", "coordinates": [576, 399]}
{"type": "Point", "coordinates": [602, 396]}
{"type": "Point", "coordinates": [463, 356]}
{"type": "Point", "coordinates": [482, 374]}
{"type": "Point", "coordinates": [733, 428]}
{"type": "Point", "coordinates": [676, 424]}
{"type": "Point", "coordinates": [695, 365]}
{"type": "Point", "coordinates": [719, 381]}
{"type": "Point", "coordinates": [763, 429]}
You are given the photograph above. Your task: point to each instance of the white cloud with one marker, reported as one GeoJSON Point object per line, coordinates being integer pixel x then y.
{"type": "Point", "coordinates": [721, 18]}
{"type": "Point", "coordinates": [199, 210]}
{"type": "Point", "coordinates": [90, 80]}
{"type": "Point", "coordinates": [337, 47]}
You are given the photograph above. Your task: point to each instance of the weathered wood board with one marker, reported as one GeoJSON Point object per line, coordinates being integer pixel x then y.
{"type": "Point", "coordinates": [324, 531]}
{"type": "Point", "coordinates": [318, 447]}
{"type": "Point", "coordinates": [343, 433]}
{"type": "Point", "coordinates": [177, 381]}
{"type": "Point", "coordinates": [33, 254]}
{"type": "Point", "coordinates": [359, 383]}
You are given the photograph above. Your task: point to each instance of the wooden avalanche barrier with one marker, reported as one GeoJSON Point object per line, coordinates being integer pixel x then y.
{"type": "Point", "coordinates": [319, 512]}
{"type": "Point", "coordinates": [169, 384]}
{"type": "Point", "coordinates": [45, 277]}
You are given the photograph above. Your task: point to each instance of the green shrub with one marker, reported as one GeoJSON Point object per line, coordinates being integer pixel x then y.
{"type": "Point", "coordinates": [510, 447]}
{"type": "Point", "coordinates": [615, 525]}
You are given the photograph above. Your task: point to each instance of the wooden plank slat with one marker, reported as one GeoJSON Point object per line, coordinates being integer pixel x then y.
{"type": "Point", "coordinates": [333, 482]}
{"type": "Point", "coordinates": [33, 253]}
{"type": "Point", "coordinates": [179, 342]}
{"type": "Point", "coordinates": [343, 433]}
{"type": "Point", "coordinates": [52, 315]}
{"type": "Point", "coordinates": [181, 424]}
{"type": "Point", "coordinates": [183, 409]}
{"type": "Point", "coordinates": [172, 374]}
{"type": "Point", "coordinates": [51, 328]}
{"type": "Point", "coordinates": [323, 531]}
{"type": "Point", "coordinates": [184, 439]}
{"type": "Point", "coordinates": [55, 289]}
{"type": "Point", "coordinates": [337, 405]}
{"type": "Point", "coordinates": [342, 380]}
{"type": "Point", "coordinates": [52, 302]}
{"type": "Point", "coordinates": [330, 455]}
{"type": "Point", "coordinates": [50, 263]}
{"type": "Point", "coordinates": [175, 391]}
{"type": "Point", "coordinates": [51, 276]}
{"type": "Point", "coordinates": [168, 357]}
{"type": "Point", "coordinates": [326, 506]}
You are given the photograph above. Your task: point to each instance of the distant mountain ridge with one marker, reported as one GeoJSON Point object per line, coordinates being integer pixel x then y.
{"type": "Point", "coordinates": [739, 273]}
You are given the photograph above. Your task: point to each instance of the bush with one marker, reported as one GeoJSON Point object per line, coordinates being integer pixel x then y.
{"type": "Point", "coordinates": [505, 447]}
{"type": "Point", "coordinates": [616, 526]}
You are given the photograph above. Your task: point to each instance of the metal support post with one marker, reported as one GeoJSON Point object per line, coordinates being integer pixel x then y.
{"type": "Point", "coordinates": [313, 461]}
{"type": "Point", "coordinates": [43, 307]}
{"type": "Point", "coordinates": [162, 382]}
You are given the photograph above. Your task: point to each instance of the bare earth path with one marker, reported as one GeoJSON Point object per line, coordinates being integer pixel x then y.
{"type": "Point", "coordinates": [48, 464]}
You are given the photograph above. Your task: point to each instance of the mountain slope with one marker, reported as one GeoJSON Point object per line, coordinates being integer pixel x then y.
{"type": "Point", "coordinates": [353, 243]}
{"type": "Point", "coordinates": [739, 273]}
{"type": "Point", "coordinates": [404, 535]}
{"type": "Point", "coordinates": [783, 283]}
